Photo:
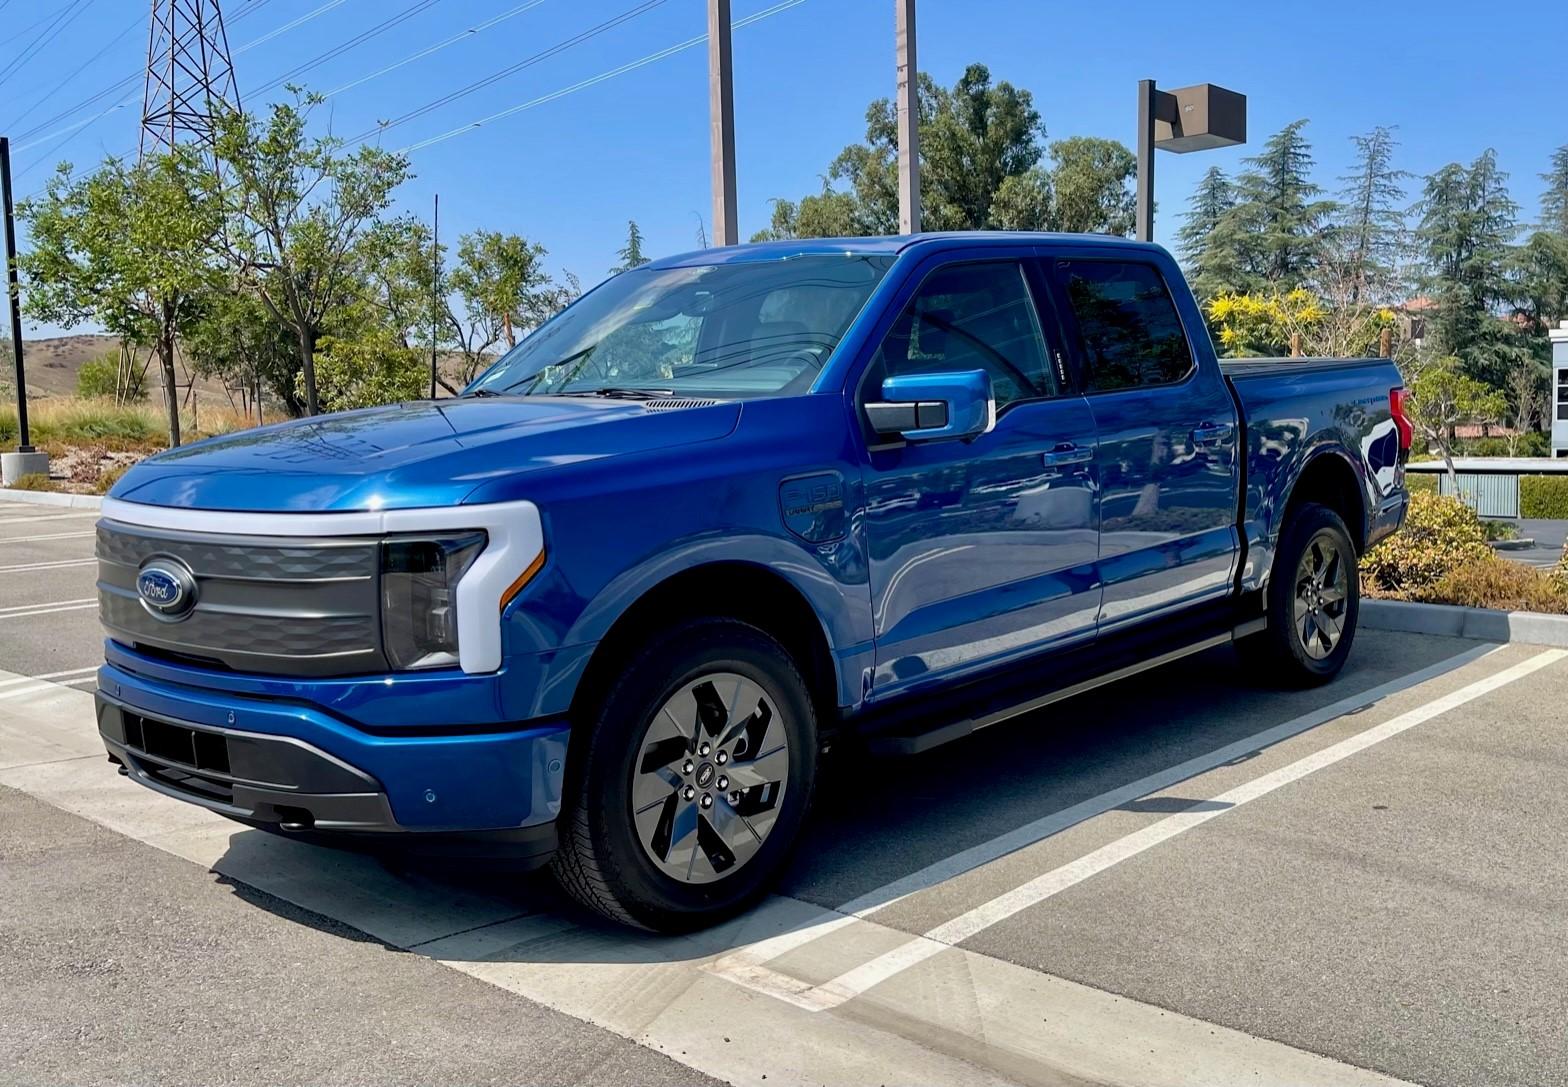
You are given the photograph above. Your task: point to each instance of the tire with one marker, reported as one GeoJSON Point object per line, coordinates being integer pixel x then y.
{"type": "Point", "coordinates": [635, 844]}
{"type": "Point", "coordinates": [1301, 647]}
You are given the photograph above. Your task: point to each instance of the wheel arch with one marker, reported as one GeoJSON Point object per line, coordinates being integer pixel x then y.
{"type": "Point", "coordinates": [730, 589]}
{"type": "Point", "coordinates": [1329, 478]}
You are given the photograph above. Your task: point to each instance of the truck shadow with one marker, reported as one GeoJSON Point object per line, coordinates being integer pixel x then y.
{"type": "Point", "coordinates": [876, 820]}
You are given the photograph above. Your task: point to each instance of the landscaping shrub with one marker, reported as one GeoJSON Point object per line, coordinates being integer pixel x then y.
{"type": "Point", "coordinates": [109, 477]}
{"type": "Point", "coordinates": [34, 481]}
{"type": "Point", "coordinates": [99, 379]}
{"type": "Point", "coordinates": [1498, 583]}
{"type": "Point", "coordinates": [1441, 535]}
{"type": "Point", "coordinates": [137, 427]}
{"type": "Point", "coordinates": [1544, 497]}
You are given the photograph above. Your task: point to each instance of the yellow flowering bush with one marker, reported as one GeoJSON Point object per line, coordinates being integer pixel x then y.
{"type": "Point", "coordinates": [1441, 535]}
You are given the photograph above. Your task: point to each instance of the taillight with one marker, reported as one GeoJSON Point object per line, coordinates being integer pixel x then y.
{"type": "Point", "coordinates": [1396, 408]}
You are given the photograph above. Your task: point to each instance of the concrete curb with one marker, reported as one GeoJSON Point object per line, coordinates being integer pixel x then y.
{"type": "Point", "coordinates": [53, 498]}
{"type": "Point", "coordinates": [1457, 622]}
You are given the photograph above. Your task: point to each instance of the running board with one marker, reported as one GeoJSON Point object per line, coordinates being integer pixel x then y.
{"type": "Point", "coordinates": [914, 743]}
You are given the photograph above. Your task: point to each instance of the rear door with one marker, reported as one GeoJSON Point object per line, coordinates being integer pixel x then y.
{"type": "Point", "coordinates": [1167, 438]}
{"type": "Point", "coordinates": [980, 549]}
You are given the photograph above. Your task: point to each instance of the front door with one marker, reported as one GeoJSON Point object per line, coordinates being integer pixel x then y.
{"type": "Point", "coordinates": [980, 549]}
{"type": "Point", "coordinates": [1168, 445]}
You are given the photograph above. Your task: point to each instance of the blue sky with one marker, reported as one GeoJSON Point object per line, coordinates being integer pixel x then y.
{"type": "Point", "coordinates": [569, 172]}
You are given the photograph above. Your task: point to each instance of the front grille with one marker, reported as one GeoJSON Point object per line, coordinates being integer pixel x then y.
{"type": "Point", "coordinates": [263, 604]}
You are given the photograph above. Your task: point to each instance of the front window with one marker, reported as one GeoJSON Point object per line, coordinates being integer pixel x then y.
{"type": "Point", "coordinates": [747, 329]}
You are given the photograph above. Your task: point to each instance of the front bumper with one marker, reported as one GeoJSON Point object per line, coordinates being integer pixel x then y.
{"type": "Point", "coordinates": [293, 766]}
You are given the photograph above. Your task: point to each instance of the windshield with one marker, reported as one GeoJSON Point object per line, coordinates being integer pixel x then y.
{"type": "Point", "coordinates": [748, 329]}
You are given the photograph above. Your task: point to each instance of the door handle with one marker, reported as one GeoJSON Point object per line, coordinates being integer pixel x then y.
{"type": "Point", "coordinates": [1209, 433]}
{"type": "Point", "coordinates": [1067, 454]}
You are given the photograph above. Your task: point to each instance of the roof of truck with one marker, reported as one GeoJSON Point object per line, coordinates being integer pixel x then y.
{"type": "Point", "coordinates": [884, 245]}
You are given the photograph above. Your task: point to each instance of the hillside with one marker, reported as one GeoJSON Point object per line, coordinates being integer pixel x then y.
{"type": "Point", "coordinates": [52, 365]}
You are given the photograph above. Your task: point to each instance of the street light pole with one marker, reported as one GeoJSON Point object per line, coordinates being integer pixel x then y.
{"type": "Point", "coordinates": [721, 110]}
{"type": "Point", "coordinates": [15, 295]}
{"type": "Point", "coordinates": [908, 117]}
{"type": "Point", "coordinates": [1146, 109]}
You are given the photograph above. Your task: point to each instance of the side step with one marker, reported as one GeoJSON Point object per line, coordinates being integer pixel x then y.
{"type": "Point", "coordinates": [936, 729]}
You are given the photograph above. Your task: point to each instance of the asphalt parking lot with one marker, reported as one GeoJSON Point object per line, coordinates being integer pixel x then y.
{"type": "Point", "coordinates": [1182, 879]}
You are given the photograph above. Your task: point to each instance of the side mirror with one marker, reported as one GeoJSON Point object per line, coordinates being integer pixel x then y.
{"type": "Point", "coordinates": [930, 407]}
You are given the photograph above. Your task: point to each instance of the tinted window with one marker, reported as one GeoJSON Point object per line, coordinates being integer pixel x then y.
{"type": "Point", "coordinates": [1131, 334]}
{"type": "Point", "coordinates": [970, 317]}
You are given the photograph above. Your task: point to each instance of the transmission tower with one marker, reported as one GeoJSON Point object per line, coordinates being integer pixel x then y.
{"type": "Point", "coordinates": [190, 77]}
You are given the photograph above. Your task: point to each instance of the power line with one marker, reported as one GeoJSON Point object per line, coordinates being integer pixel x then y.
{"type": "Point", "coordinates": [128, 81]}
{"type": "Point", "coordinates": [134, 77]}
{"type": "Point", "coordinates": [470, 32]}
{"type": "Point", "coordinates": [47, 35]}
{"type": "Point", "coordinates": [512, 69]}
{"type": "Point", "coordinates": [136, 22]}
{"type": "Point", "coordinates": [641, 62]}
{"type": "Point", "coordinates": [338, 50]}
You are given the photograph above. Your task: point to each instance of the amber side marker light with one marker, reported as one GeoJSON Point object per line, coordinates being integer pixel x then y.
{"type": "Point", "coordinates": [522, 580]}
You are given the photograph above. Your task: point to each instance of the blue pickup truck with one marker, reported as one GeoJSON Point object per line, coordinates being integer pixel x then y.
{"type": "Point", "coordinates": [609, 607]}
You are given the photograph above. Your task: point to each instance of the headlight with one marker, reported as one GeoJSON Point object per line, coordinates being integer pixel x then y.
{"type": "Point", "coordinates": [419, 577]}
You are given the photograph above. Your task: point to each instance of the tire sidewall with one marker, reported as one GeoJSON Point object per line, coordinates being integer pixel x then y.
{"type": "Point", "coordinates": [1308, 523]}
{"type": "Point", "coordinates": [650, 895]}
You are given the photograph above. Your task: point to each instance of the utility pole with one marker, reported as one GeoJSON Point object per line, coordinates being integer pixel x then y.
{"type": "Point", "coordinates": [721, 110]}
{"type": "Point", "coordinates": [435, 289]}
{"type": "Point", "coordinates": [908, 118]}
{"type": "Point", "coordinates": [1196, 118]}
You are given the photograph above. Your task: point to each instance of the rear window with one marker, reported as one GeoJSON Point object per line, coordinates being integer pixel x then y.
{"type": "Point", "coordinates": [1131, 334]}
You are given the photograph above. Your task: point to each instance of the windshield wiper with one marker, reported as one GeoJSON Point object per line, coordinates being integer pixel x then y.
{"type": "Point", "coordinates": [614, 393]}
{"type": "Point", "coordinates": [481, 392]}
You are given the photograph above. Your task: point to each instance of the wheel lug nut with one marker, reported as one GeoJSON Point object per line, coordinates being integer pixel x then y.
{"type": "Point", "coordinates": [707, 801]}
{"type": "Point", "coordinates": [724, 783]}
{"type": "Point", "coordinates": [686, 769]}
{"type": "Point", "coordinates": [724, 757]}
{"type": "Point", "coordinates": [688, 792]}
{"type": "Point", "coordinates": [704, 749]}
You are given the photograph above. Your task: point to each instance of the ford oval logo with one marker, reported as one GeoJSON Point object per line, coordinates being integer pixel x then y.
{"type": "Point", "coordinates": [167, 589]}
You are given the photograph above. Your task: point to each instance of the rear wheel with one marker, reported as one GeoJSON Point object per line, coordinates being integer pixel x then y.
{"type": "Point", "coordinates": [689, 787]}
{"type": "Point", "coordinates": [1313, 601]}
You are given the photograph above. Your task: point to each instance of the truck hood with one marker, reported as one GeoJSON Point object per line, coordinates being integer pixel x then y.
{"type": "Point", "coordinates": [406, 456]}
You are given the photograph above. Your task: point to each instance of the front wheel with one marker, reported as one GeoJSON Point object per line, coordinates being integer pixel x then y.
{"type": "Point", "coordinates": [1313, 601]}
{"type": "Point", "coordinates": [689, 788]}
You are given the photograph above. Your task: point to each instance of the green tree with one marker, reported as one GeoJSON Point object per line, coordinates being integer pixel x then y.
{"type": "Point", "coordinates": [238, 340]}
{"type": "Point", "coordinates": [1277, 222]}
{"type": "Point", "coordinates": [631, 253]}
{"type": "Point", "coordinates": [973, 137]}
{"type": "Point", "coordinates": [368, 371]}
{"type": "Point", "coordinates": [108, 377]}
{"type": "Point", "coordinates": [1092, 186]}
{"type": "Point", "coordinates": [1467, 226]}
{"type": "Point", "coordinates": [502, 282]}
{"type": "Point", "coordinates": [1209, 253]}
{"type": "Point", "coordinates": [132, 248]}
{"type": "Point", "coordinates": [1443, 397]}
{"type": "Point", "coordinates": [1539, 270]}
{"type": "Point", "coordinates": [1370, 223]}
{"type": "Point", "coordinates": [297, 206]}
{"type": "Point", "coordinates": [1554, 200]}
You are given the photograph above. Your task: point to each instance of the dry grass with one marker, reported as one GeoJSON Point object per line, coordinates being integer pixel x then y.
{"type": "Point", "coordinates": [59, 425]}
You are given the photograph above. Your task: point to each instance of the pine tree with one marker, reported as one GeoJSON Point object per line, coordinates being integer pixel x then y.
{"type": "Point", "coordinates": [1279, 222]}
{"type": "Point", "coordinates": [1203, 242]}
{"type": "Point", "coordinates": [1554, 201]}
{"type": "Point", "coordinates": [1371, 219]}
{"type": "Point", "coordinates": [631, 253]}
{"type": "Point", "coordinates": [1465, 236]}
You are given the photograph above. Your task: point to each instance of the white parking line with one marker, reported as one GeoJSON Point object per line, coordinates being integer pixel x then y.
{"type": "Point", "coordinates": [22, 611]}
{"type": "Point", "coordinates": [67, 676]}
{"type": "Point", "coordinates": [51, 536]}
{"type": "Point", "coordinates": [46, 517]}
{"type": "Point", "coordinates": [56, 565]}
{"type": "Point", "coordinates": [951, 933]}
{"type": "Point", "coordinates": [746, 965]}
